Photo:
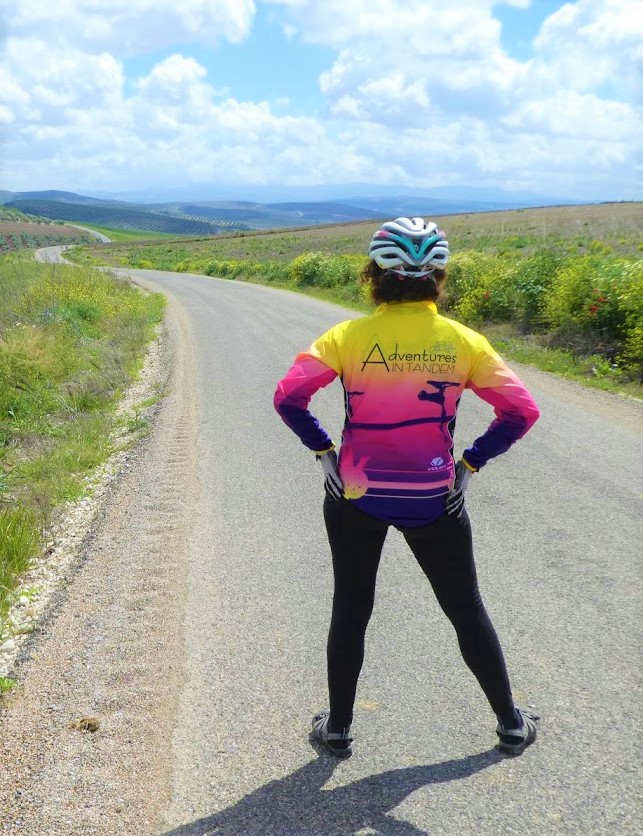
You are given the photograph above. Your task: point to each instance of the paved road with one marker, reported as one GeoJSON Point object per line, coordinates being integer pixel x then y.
{"type": "Point", "coordinates": [97, 235]}
{"type": "Point", "coordinates": [51, 255]}
{"type": "Point", "coordinates": [556, 521]}
{"type": "Point", "coordinates": [54, 255]}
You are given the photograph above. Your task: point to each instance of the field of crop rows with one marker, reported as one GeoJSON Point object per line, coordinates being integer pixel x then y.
{"type": "Point", "coordinates": [20, 235]}
{"type": "Point", "coordinates": [125, 218]}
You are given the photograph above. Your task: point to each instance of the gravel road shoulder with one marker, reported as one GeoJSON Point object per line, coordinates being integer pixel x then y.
{"type": "Point", "coordinates": [113, 646]}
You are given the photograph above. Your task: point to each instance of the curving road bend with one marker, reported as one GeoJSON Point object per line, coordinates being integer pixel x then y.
{"type": "Point", "coordinates": [557, 531]}
{"type": "Point", "coordinates": [51, 255]}
{"type": "Point", "coordinates": [99, 236]}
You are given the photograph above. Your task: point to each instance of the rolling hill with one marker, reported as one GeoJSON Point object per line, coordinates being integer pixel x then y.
{"type": "Point", "coordinates": [123, 216]}
{"type": "Point", "coordinates": [189, 218]}
{"type": "Point", "coordinates": [211, 217]}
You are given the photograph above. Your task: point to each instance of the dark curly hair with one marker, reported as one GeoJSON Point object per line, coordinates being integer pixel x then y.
{"type": "Point", "coordinates": [386, 286]}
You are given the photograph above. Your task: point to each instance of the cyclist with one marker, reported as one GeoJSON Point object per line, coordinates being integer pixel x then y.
{"type": "Point", "coordinates": [404, 369]}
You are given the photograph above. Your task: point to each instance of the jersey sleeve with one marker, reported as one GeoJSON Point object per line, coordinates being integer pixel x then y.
{"type": "Point", "coordinates": [515, 410]}
{"type": "Point", "coordinates": [311, 371]}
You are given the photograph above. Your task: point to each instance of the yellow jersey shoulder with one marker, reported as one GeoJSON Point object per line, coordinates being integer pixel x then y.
{"type": "Point", "coordinates": [467, 334]}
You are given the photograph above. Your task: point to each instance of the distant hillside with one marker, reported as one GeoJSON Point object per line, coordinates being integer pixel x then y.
{"type": "Point", "coordinates": [190, 218]}
{"type": "Point", "coordinates": [222, 210]}
{"type": "Point", "coordinates": [353, 193]}
{"type": "Point", "coordinates": [273, 215]}
{"type": "Point", "coordinates": [335, 211]}
{"type": "Point", "coordinates": [314, 213]}
{"type": "Point", "coordinates": [65, 197]}
{"type": "Point", "coordinates": [9, 213]}
{"type": "Point", "coordinates": [209, 217]}
{"type": "Point", "coordinates": [408, 206]}
{"type": "Point", "coordinates": [122, 216]}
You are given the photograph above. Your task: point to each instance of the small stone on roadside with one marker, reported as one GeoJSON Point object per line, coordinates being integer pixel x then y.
{"type": "Point", "coordinates": [90, 724]}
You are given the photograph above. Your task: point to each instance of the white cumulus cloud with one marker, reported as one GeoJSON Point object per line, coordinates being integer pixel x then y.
{"type": "Point", "coordinates": [573, 114]}
{"type": "Point", "coordinates": [590, 42]}
{"type": "Point", "coordinates": [416, 94]}
{"type": "Point", "coordinates": [411, 66]}
{"type": "Point", "coordinates": [131, 26]}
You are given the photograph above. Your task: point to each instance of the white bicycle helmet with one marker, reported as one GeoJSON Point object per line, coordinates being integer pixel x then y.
{"type": "Point", "coordinates": [409, 247]}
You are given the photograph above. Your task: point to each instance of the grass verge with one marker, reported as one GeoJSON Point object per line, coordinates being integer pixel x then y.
{"type": "Point", "coordinates": [71, 340]}
{"type": "Point", "coordinates": [593, 371]}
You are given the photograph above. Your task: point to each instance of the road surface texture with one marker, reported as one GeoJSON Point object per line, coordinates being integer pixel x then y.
{"type": "Point", "coordinates": [97, 235]}
{"type": "Point", "coordinates": [51, 255]}
{"type": "Point", "coordinates": [223, 648]}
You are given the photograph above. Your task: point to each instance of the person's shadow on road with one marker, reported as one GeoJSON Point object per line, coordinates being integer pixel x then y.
{"type": "Point", "coordinates": [297, 805]}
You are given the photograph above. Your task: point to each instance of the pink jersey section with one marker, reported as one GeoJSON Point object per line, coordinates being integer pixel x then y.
{"type": "Point", "coordinates": [305, 377]}
{"type": "Point", "coordinates": [404, 370]}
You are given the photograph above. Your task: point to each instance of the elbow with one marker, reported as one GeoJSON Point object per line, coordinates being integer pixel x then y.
{"type": "Point", "coordinates": [519, 423]}
{"type": "Point", "coordinates": [279, 399]}
{"type": "Point", "coordinates": [532, 415]}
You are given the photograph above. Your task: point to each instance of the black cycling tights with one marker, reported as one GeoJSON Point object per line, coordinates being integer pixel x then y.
{"type": "Point", "coordinates": [444, 551]}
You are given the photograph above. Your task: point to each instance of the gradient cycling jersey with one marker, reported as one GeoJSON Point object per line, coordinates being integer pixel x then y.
{"type": "Point", "coordinates": [404, 369]}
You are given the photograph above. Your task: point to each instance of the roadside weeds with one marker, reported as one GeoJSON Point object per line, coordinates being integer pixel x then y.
{"type": "Point", "coordinates": [63, 539]}
{"type": "Point", "coordinates": [71, 342]}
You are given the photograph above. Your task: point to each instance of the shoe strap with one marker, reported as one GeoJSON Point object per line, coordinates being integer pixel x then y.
{"type": "Point", "coordinates": [528, 721]}
{"type": "Point", "coordinates": [343, 735]}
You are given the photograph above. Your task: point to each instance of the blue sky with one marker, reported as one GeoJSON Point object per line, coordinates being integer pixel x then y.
{"type": "Point", "coordinates": [513, 94]}
{"type": "Point", "coordinates": [289, 68]}
{"type": "Point", "coordinates": [521, 25]}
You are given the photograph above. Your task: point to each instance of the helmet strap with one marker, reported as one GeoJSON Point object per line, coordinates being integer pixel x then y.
{"type": "Point", "coordinates": [402, 274]}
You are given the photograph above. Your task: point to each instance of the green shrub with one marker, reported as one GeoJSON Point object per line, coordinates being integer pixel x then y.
{"type": "Point", "coordinates": [629, 297]}
{"type": "Point", "coordinates": [326, 271]}
{"type": "Point", "coordinates": [599, 248]}
{"type": "Point", "coordinates": [274, 271]}
{"type": "Point", "coordinates": [600, 299]}
{"type": "Point", "coordinates": [311, 269]}
{"type": "Point", "coordinates": [482, 287]}
{"type": "Point", "coordinates": [534, 277]}
{"type": "Point", "coordinates": [463, 275]}
{"type": "Point", "coordinates": [581, 297]}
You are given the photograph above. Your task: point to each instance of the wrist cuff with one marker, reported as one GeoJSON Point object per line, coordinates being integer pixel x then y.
{"type": "Point", "coordinates": [320, 453]}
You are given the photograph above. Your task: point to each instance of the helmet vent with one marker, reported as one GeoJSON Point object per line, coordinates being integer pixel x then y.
{"type": "Point", "coordinates": [413, 246]}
